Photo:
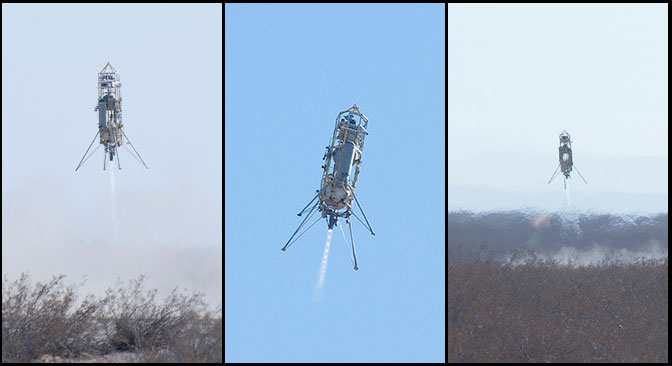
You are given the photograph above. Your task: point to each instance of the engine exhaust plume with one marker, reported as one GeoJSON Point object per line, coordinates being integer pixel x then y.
{"type": "Point", "coordinates": [319, 290]}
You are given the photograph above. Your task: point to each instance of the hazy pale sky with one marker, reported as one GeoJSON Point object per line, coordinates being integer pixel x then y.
{"type": "Point", "coordinates": [165, 222]}
{"type": "Point", "coordinates": [519, 74]}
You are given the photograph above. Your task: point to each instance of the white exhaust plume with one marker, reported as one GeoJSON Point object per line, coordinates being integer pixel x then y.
{"type": "Point", "coordinates": [113, 208]}
{"type": "Point", "coordinates": [323, 268]}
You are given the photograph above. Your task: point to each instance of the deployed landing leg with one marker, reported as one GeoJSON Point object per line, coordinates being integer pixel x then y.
{"type": "Point", "coordinates": [352, 240]}
{"type": "Point", "coordinates": [577, 170]}
{"type": "Point", "coordinates": [368, 226]}
{"type": "Point", "coordinates": [136, 151]}
{"type": "Point", "coordinates": [118, 161]}
{"type": "Point", "coordinates": [554, 174]}
{"type": "Point", "coordinates": [87, 150]}
{"type": "Point", "coordinates": [311, 201]}
{"type": "Point", "coordinates": [310, 213]}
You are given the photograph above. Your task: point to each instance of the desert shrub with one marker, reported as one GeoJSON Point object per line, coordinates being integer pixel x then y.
{"type": "Point", "coordinates": [38, 319]}
{"type": "Point", "coordinates": [178, 330]}
{"type": "Point", "coordinates": [41, 319]}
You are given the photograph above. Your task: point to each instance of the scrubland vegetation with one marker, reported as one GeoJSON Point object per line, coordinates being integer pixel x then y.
{"type": "Point", "coordinates": [526, 306]}
{"type": "Point", "coordinates": [47, 322]}
{"type": "Point", "coordinates": [540, 311]}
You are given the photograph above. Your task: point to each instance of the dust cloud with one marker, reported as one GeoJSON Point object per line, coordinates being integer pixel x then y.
{"type": "Point", "coordinates": [175, 240]}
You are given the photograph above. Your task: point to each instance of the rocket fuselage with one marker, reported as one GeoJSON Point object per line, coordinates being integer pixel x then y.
{"type": "Point", "coordinates": [110, 125]}
{"type": "Point", "coordinates": [337, 188]}
{"type": "Point", "coordinates": [565, 155]}
{"type": "Point", "coordinates": [566, 165]}
{"type": "Point", "coordinates": [344, 153]}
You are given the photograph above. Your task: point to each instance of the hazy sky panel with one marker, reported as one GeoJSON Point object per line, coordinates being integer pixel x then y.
{"type": "Point", "coordinates": [165, 221]}
{"type": "Point", "coordinates": [520, 74]}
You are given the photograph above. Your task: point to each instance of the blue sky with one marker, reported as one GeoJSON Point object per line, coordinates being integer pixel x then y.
{"type": "Point", "coordinates": [168, 222]}
{"type": "Point", "coordinates": [289, 70]}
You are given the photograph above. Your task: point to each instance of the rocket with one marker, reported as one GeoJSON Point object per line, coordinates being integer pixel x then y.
{"type": "Point", "coordinates": [342, 162]}
{"type": "Point", "coordinates": [110, 126]}
{"type": "Point", "coordinates": [566, 160]}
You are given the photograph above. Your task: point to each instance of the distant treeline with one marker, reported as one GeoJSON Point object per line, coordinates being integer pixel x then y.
{"type": "Point", "coordinates": [503, 231]}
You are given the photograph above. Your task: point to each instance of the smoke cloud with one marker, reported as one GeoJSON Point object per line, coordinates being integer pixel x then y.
{"type": "Point", "coordinates": [175, 240]}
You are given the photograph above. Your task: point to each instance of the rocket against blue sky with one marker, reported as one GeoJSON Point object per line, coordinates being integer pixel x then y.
{"type": "Point", "coordinates": [110, 126]}
{"type": "Point", "coordinates": [337, 188]}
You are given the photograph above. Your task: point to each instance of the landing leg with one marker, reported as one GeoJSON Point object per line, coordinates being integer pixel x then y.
{"type": "Point", "coordinates": [363, 214]}
{"type": "Point", "coordinates": [136, 151]}
{"type": "Point", "coordinates": [311, 201]}
{"type": "Point", "coordinates": [554, 174]}
{"type": "Point", "coordinates": [352, 240]}
{"type": "Point", "coordinates": [118, 161]}
{"type": "Point", "coordinates": [310, 213]}
{"type": "Point", "coordinates": [580, 175]}
{"type": "Point", "coordinates": [87, 150]}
